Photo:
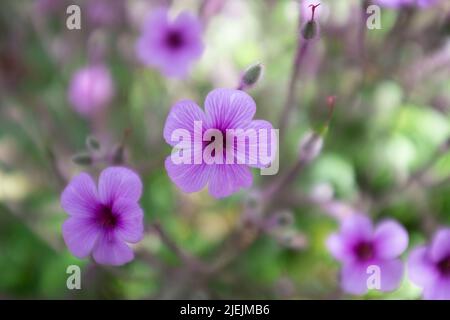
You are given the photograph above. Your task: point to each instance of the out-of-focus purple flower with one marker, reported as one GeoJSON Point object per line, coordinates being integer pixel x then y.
{"type": "Point", "coordinates": [103, 220]}
{"type": "Point", "coordinates": [429, 267]}
{"type": "Point", "coordinates": [91, 89]}
{"type": "Point", "coordinates": [225, 109]}
{"type": "Point", "coordinates": [170, 46]}
{"type": "Point", "coordinates": [358, 246]}
{"type": "Point", "coordinates": [405, 3]}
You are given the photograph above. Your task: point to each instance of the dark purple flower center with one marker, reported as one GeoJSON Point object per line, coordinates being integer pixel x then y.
{"type": "Point", "coordinates": [106, 218]}
{"type": "Point", "coordinates": [224, 143]}
{"type": "Point", "coordinates": [174, 39]}
{"type": "Point", "coordinates": [444, 266]}
{"type": "Point", "coordinates": [364, 251]}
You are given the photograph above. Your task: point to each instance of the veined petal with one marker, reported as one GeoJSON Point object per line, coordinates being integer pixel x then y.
{"type": "Point", "coordinates": [110, 250]}
{"type": "Point", "coordinates": [188, 177]}
{"type": "Point", "coordinates": [80, 235]}
{"type": "Point", "coordinates": [229, 109]}
{"type": "Point", "coordinates": [183, 116]}
{"type": "Point", "coordinates": [226, 179]}
{"type": "Point", "coordinates": [130, 226]}
{"type": "Point", "coordinates": [257, 148]}
{"type": "Point", "coordinates": [119, 182]}
{"type": "Point", "coordinates": [80, 197]}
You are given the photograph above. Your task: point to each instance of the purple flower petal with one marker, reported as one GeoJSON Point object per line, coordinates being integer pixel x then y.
{"type": "Point", "coordinates": [438, 290]}
{"type": "Point", "coordinates": [229, 109]}
{"type": "Point", "coordinates": [255, 148]}
{"type": "Point", "coordinates": [188, 177]}
{"type": "Point", "coordinates": [391, 272]}
{"type": "Point", "coordinates": [337, 248]}
{"type": "Point", "coordinates": [80, 235]}
{"type": "Point", "coordinates": [354, 278]}
{"type": "Point", "coordinates": [390, 239]}
{"type": "Point", "coordinates": [116, 182]}
{"type": "Point", "coordinates": [356, 228]}
{"type": "Point", "coordinates": [110, 250]}
{"type": "Point", "coordinates": [421, 271]}
{"type": "Point", "coordinates": [227, 179]}
{"type": "Point", "coordinates": [182, 116]}
{"type": "Point", "coordinates": [79, 198]}
{"type": "Point", "coordinates": [130, 227]}
{"type": "Point", "coordinates": [148, 46]}
{"type": "Point", "coordinates": [440, 247]}
{"type": "Point", "coordinates": [192, 30]}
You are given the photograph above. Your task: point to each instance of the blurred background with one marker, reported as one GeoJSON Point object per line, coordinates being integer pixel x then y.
{"type": "Point", "coordinates": [386, 152]}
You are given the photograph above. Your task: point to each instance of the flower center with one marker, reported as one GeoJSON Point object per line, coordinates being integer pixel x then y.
{"type": "Point", "coordinates": [444, 266]}
{"type": "Point", "coordinates": [107, 218]}
{"type": "Point", "coordinates": [174, 39]}
{"type": "Point", "coordinates": [364, 251]}
{"type": "Point", "coordinates": [224, 144]}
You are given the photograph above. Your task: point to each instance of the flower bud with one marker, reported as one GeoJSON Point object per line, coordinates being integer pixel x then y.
{"type": "Point", "coordinates": [309, 30]}
{"type": "Point", "coordinates": [251, 76]}
{"type": "Point", "coordinates": [92, 144]}
{"type": "Point", "coordinates": [310, 146]}
{"type": "Point", "coordinates": [82, 159]}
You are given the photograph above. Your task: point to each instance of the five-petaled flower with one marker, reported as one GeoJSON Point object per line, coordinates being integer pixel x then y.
{"type": "Point", "coordinates": [429, 267]}
{"type": "Point", "coordinates": [170, 46]}
{"type": "Point", "coordinates": [103, 220]}
{"type": "Point", "coordinates": [359, 246]}
{"type": "Point", "coordinates": [226, 110]}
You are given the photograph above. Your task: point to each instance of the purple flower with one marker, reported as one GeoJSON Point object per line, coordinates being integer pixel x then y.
{"type": "Point", "coordinates": [405, 3]}
{"type": "Point", "coordinates": [225, 109]}
{"type": "Point", "coordinates": [358, 246]}
{"type": "Point", "coordinates": [170, 46]}
{"type": "Point", "coordinates": [103, 220]}
{"type": "Point", "coordinates": [429, 267]}
{"type": "Point", "coordinates": [91, 89]}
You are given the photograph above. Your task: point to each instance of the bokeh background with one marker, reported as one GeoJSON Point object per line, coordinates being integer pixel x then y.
{"type": "Point", "coordinates": [385, 154]}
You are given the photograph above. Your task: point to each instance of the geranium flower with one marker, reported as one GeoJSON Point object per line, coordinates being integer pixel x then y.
{"type": "Point", "coordinates": [91, 89]}
{"type": "Point", "coordinates": [103, 220]}
{"type": "Point", "coordinates": [359, 246]}
{"type": "Point", "coordinates": [429, 267]}
{"type": "Point", "coordinates": [225, 109]}
{"type": "Point", "coordinates": [170, 46]}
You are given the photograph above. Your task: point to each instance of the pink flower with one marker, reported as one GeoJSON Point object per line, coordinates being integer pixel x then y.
{"type": "Point", "coordinates": [170, 46]}
{"type": "Point", "coordinates": [359, 246]}
{"type": "Point", "coordinates": [91, 90]}
{"type": "Point", "coordinates": [225, 110]}
{"type": "Point", "coordinates": [103, 220]}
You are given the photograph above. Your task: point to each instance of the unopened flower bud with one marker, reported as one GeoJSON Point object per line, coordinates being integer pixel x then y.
{"type": "Point", "coordinates": [83, 159]}
{"type": "Point", "coordinates": [310, 146]}
{"type": "Point", "coordinates": [251, 76]}
{"type": "Point", "coordinates": [92, 144]}
{"type": "Point", "coordinates": [309, 30]}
